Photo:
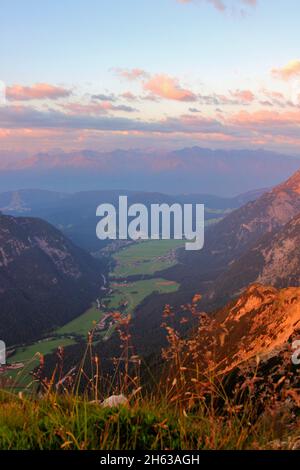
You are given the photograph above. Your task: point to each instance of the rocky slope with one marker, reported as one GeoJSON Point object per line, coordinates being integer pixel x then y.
{"type": "Point", "coordinates": [260, 323]}
{"type": "Point", "coordinates": [45, 280]}
{"type": "Point", "coordinates": [274, 260]}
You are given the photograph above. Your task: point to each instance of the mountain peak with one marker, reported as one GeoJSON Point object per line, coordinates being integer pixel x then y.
{"type": "Point", "coordinates": [293, 183]}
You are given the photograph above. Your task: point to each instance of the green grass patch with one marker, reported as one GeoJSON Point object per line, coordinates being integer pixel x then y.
{"type": "Point", "coordinates": [82, 324]}
{"type": "Point", "coordinates": [131, 293]}
{"type": "Point", "coordinates": [135, 292]}
{"type": "Point", "coordinates": [29, 356]}
{"type": "Point", "coordinates": [26, 353]}
{"type": "Point", "coordinates": [146, 257]}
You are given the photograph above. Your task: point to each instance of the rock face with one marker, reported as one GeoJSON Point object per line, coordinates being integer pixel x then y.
{"type": "Point", "coordinates": [245, 226]}
{"type": "Point", "coordinates": [273, 260]}
{"type": "Point", "coordinates": [260, 323]}
{"type": "Point", "coordinates": [45, 280]}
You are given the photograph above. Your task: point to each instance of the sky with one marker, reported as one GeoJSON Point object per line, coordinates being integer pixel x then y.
{"type": "Point", "coordinates": [146, 74]}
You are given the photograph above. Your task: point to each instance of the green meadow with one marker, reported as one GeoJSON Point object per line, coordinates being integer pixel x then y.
{"type": "Point", "coordinates": [146, 257]}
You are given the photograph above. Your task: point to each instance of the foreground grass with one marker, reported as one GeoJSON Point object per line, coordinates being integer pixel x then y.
{"type": "Point", "coordinates": [75, 423]}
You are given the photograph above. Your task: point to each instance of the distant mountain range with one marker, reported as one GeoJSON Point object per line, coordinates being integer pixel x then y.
{"type": "Point", "coordinates": [192, 170]}
{"type": "Point", "coordinates": [45, 280]}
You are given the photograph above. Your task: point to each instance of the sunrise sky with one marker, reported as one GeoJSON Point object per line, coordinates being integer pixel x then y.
{"type": "Point", "coordinates": [150, 74]}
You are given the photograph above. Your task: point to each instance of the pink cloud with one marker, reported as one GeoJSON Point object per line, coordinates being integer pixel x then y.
{"type": "Point", "coordinates": [90, 108]}
{"type": "Point", "coordinates": [272, 119]}
{"type": "Point", "coordinates": [169, 88]}
{"type": "Point", "coordinates": [96, 108]}
{"type": "Point", "coordinates": [38, 91]}
{"type": "Point", "coordinates": [132, 74]}
{"type": "Point", "coordinates": [245, 96]}
{"type": "Point", "coordinates": [290, 70]}
{"type": "Point", "coordinates": [4, 133]}
{"type": "Point", "coordinates": [274, 94]}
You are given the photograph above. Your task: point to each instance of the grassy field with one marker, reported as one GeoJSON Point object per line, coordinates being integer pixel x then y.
{"type": "Point", "coordinates": [135, 292]}
{"type": "Point", "coordinates": [29, 356]}
{"type": "Point", "coordinates": [82, 324]}
{"type": "Point", "coordinates": [43, 347]}
{"type": "Point", "coordinates": [145, 257]}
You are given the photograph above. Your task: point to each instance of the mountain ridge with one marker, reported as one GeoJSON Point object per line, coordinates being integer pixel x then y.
{"type": "Point", "coordinates": [45, 280]}
{"type": "Point", "coordinates": [218, 171]}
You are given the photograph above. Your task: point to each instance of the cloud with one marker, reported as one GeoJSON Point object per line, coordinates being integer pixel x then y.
{"type": "Point", "coordinates": [254, 128]}
{"type": "Point", "coordinates": [124, 108]}
{"type": "Point", "coordinates": [81, 117]}
{"type": "Point", "coordinates": [290, 70]}
{"type": "Point", "coordinates": [222, 5]}
{"type": "Point", "coordinates": [264, 117]}
{"type": "Point", "coordinates": [127, 95]}
{"type": "Point", "coordinates": [97, 108]}
{"type": "Point", "coordinates": [131, 74]}
{"type": "Point", "coordinates": [267, 122]}
{"type": "Point", "coordinates": [103, 97]}
{"type": "Point", "coordinates": [274, 94]}
{"type": "Point", "coordinates": [234, 98]}
{"type": "Point", "coordinates": [278, 99]}
{"type": "Point", "coordinates": [39, 91]}
{"type": "Point", "coordinates": [150, 97]}
{"type": "Point", "coordinates": [245, 96]}
{"type": "Point", "coordinates": [169, 88]}
{"type": "Point", "coordinates": [218, 4]}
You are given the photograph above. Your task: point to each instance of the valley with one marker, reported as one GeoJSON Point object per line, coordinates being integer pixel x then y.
{"type": "Point", "coordinates": [140, 259]}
